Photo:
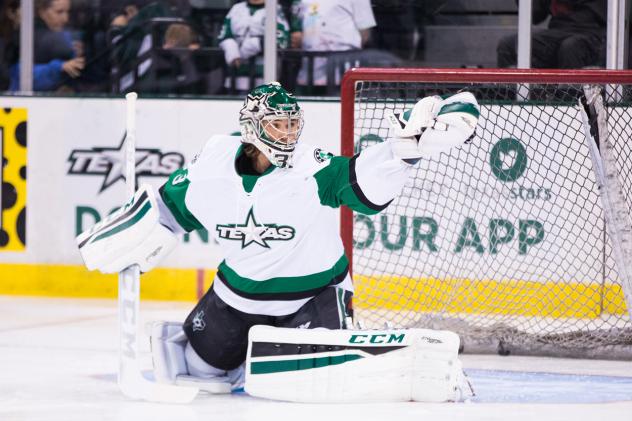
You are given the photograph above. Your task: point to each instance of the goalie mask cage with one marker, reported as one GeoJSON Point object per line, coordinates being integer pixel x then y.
{"type": "Point", "coordinates": [503, 240]}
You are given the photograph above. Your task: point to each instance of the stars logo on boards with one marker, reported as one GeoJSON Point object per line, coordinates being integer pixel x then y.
{"type": "Point", "coordinates": [252, 232]}
{"type": "Point", "coordinates": [109, 163]}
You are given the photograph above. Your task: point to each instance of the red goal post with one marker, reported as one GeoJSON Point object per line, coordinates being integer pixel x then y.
{"type": "Point", "coordinates": [549, 96]}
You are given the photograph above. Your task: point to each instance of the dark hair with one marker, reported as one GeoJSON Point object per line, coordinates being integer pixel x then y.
{"type": "Point", "coordinates": [6, 26]}
{"type": "Point", "coordinates": [43, 4]}
{"type": "Point", "coordinates": [250, 150]}
{"type": "Point", "coordinates": [117, 7]}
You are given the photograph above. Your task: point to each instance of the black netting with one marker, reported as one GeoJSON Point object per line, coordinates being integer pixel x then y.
{"type": "Point", "coordinates": [502, 240]}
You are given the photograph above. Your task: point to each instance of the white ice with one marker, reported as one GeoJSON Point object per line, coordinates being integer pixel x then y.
{"type": "Point", "coordinates": [58, 361]}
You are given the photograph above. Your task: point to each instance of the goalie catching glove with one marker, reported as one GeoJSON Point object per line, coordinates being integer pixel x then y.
{"type": "Point", "coordinates": [434, 125]}
{"type": "Point", "coordinates": [133, 235]}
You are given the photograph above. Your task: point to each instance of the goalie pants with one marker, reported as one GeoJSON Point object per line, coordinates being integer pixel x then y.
{"type": "Point", "coordinates": [219, 333]}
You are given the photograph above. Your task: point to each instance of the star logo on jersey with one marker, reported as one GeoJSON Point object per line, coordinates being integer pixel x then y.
{"type": "Point", "coordinates": [252, 232]}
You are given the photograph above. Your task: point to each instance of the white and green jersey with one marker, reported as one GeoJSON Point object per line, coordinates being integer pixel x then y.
{"type": "Point", "coordinates": [244, 22]}
{"type": "Point", "coordinates": [278, 230]}
{"type": "Point", "coordinates": [331, 25]}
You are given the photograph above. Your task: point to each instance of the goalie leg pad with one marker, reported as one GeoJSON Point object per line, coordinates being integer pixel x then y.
{"type": "Point", "coordinates": [133, 235]}
{"type": "Point", "coordinates": [175, 362]}
{"type": "Point", "coordinates": [168, 343]}
{"type": "Point", "coordinates": [321, 365]}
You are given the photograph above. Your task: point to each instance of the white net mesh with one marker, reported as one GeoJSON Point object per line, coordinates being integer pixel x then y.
{"type": "Point", "coordinates": [502, 240]}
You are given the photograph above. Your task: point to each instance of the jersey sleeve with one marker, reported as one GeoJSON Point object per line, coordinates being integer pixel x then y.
{"type": "Point", "coordinates": [226, 32]}
{"type": "Point", "coordinates": [227, 41]}
{"type": "Point", "coordinates": [366, 183]}
{"type": "Point", "coordinates": [176, 193]}
{"type": "Point", "coordinates": [173, 194]}
{"type": "Point", "coordinates": [282, 30]}
{"type": "Point", "coordinates": [296, 16]}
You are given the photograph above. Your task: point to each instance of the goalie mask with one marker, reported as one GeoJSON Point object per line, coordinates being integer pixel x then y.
{"type": "Point", "coordinates": [272, 120]}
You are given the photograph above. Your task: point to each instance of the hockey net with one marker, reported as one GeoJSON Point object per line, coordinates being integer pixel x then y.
{"type": "Point", "coordinates": [504, 240]}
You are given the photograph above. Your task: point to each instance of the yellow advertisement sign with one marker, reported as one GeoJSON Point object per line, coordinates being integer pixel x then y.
{"type": "Point", "coordinates": [13, 134]}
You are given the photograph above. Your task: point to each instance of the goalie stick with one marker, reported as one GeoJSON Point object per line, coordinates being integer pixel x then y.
{"type": "Point", "coordinates": [130, 378]}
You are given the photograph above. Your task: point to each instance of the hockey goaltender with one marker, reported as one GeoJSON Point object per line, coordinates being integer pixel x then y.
{"type": "Point", "coordinates": [277, 319]}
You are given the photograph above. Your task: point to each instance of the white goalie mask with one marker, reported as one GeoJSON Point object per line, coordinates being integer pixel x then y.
{"type": "Point", "coordinates": [272, 120]}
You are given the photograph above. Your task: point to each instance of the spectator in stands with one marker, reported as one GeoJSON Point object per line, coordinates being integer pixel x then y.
{"type": "Point", "coordinates": [123, 11]}
{"type": "Point", "coordinates": [90, 20]}
{"type": "Point", "coordinates": [291, 9]}
{"type": "Point", "coordinates": [130, 37]}
{"type": "Point", "coordinates": [290, 64]}
{"type": "Point", "coordinates": [179, 35]}
{"type": "Point", "coordinates": [574, 38]}
{"type": "Point", "coordinates": [241, 38]}
{"type": "Point", "coordinates": [9, 37]}
{"type": "Point", "coordinates": [207, 17]}
{"type": "Point", "coordinates": [400, 26]}
{"type": "Point", "coordinates": [175, 68]}
{"type": "Point", "coordinates": [332, 25]}
{"type": "Point", "coordinates": [124, 14]}
{"type": "Point", "coordinates": [57, 58]}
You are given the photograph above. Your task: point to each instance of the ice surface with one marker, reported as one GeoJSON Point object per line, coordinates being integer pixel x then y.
{"type": "Point", "coordinates": [58, 361]}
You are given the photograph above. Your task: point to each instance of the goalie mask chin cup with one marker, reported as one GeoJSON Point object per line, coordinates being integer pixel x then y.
{"type": "Point", "coordinates": [263, 106]}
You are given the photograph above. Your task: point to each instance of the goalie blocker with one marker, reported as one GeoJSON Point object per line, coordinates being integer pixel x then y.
{"type": "Point", "coordinates": [133, 235]}
{"type": "Point", "coordinates": [320, 365]}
